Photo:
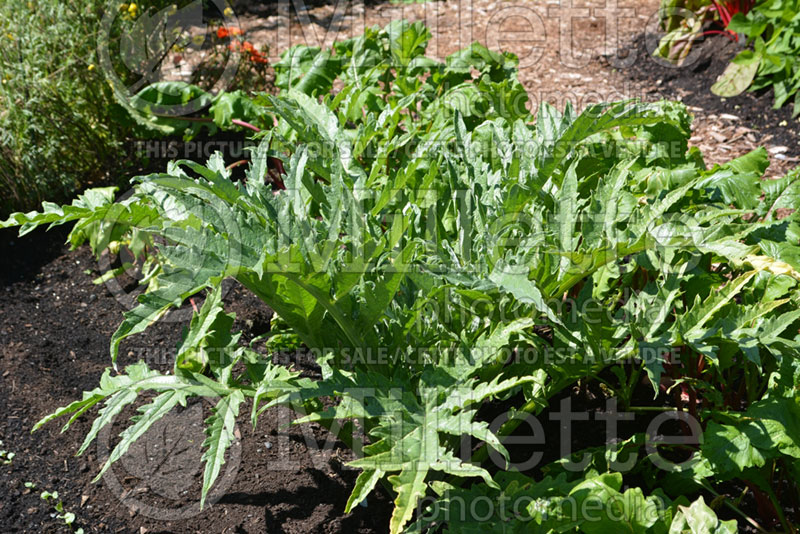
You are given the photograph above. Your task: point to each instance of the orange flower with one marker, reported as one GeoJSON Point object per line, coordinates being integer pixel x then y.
{"type": "Point", "coordinates": [256, 57]}
{"type": "Point", "coordinates": [248, 48]}
{"type": "Point", "coordinates": [224, 32]}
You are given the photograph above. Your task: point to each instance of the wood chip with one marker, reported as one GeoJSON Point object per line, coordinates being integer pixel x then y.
{"type": "Point", "coordinates": [778, 149]}
{"type": "Point", "coordinates": [729, 117]}
{"type": "Point", "coordinates": [741, 131]}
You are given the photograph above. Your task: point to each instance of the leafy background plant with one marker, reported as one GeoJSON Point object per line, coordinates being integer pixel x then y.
{"type": "Point", "coordinates": [770, 28]}
{"type": "Point", "coordinates": [57, 120]}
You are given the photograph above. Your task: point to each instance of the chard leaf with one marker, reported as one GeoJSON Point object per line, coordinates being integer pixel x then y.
{"type": "Point", "coordinates": [698, 518]}
{"type": "Point", "coordinates": [738, 75]}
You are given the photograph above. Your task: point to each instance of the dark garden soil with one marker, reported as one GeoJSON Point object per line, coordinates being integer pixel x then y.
{"type": "Point", "coordinates": [55, 324]}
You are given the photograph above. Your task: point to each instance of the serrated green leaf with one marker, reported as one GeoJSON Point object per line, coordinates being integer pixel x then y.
{"type": "Point", "coordinates": [149, 414]}
{"type": "Point", "coordinates": [220, 428]}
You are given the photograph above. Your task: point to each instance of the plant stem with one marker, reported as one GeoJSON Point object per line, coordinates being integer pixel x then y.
{"type": "Point", "coordinates": [705, 485]}
{"type": "Point", "coordinates": [652, 409]}
{"type": "Point", "coordinates": [245, 125]}
{"type": "Point", "coordinates": [779, 511]}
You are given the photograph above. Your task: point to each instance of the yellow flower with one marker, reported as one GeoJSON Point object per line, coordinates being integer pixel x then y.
{"type": "Point", "coordinates": [10, 36]}
{"type": "Point", "coordinates": [123, 7]}
{"type": "Point", "coordinates": [132, 9]}
{"type": "Point", "coordinates": [228, 12]}
{"type": "Point", "coordinates": [90, 67]}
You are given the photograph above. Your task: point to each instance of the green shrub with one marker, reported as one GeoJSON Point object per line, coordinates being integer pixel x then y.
{"type": "Point", "coordinates": [772, 28]}
{"type": "Point", "coordinates": [63, 122]}
{"type": "Point", "coordinates": [57, 130]}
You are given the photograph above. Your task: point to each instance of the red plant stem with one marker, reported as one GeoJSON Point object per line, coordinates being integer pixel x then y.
{"type": "Point", "coordinates": [236, 164]}
{"type": "Point", "coordinates": [729, 34]}
{"type": "Point", "coordinates": [724, 14]}
{"type": "Point", "coordinates": [276, 172]}
{"type": "Point", "coordinates": [246, 125]}
{"type": "Point", "coordinates": [237, 122]}
{"type": "Point", "coordinates": [765, 507]}
{"type": "Point", "coordinates": [277, 164]}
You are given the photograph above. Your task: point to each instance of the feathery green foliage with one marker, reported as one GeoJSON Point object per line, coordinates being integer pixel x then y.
{"type": "Point", "coordinates": [430, 228]}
